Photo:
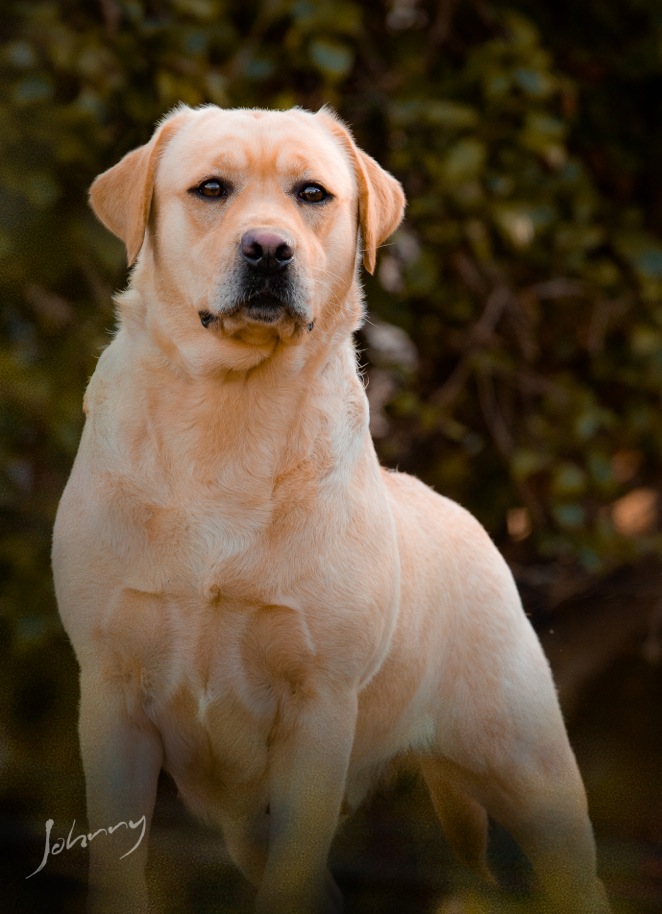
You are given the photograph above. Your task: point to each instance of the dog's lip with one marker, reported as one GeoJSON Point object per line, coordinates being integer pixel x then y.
{"type": "Point", "coordinates": [264, 300]}
{"type": "Point", "coordinates": [265, 308]}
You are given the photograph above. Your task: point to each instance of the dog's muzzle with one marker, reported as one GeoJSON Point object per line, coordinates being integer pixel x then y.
{"type": "Point", "coordinates": [267, 281]}
{"type": "Point", "coordinates": [264, 286]}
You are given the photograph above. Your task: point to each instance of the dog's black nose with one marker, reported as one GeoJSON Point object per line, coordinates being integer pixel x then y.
{"type": "Point", "coordinates": [266, 251]}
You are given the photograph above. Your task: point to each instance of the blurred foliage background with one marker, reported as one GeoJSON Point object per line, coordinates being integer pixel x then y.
{"type": "Point", "coordinates": [513, 351]}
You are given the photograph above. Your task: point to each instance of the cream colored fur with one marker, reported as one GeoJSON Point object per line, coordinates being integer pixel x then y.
{"type": "Point", "coordinates": [256, 605]}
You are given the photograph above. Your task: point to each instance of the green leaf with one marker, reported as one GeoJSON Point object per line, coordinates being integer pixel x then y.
{"type": "Point", "coordinates": [643, 251]}
{"type": "Point", "coordinates": [568, 480]}
{"type": "Point", "coordinates": [569, 516]}
{"type": "Point", "coordinates": [331, 57]}
{"type": "Point", "coordinates": [464, 162]}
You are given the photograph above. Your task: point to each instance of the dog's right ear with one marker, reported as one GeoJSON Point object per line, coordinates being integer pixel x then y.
{"type": "Point", "coordinates": [121, 197]}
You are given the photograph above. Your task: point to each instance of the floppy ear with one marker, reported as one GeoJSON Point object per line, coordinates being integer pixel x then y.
{"type": "Point", "coordinates": [121, 197]}
{"type": "Point", "coordinates": [381, 197]}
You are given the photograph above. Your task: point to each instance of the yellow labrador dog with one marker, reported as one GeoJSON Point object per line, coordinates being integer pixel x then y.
{"type": "Point", "coordinates": [256, 606]}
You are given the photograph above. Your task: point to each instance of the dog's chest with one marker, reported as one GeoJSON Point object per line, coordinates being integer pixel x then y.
{"type": "Point", "coordinates": [200, 498]}
{"type": "Point", "coordinates": [211, 678]}
{"type": "Point", "coordinates": [192, 542]}
{"type": "Point", "coordinates": [208, 706]}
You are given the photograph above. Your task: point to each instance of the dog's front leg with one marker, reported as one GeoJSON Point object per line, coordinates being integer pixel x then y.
{"type": "Point", "coordinates": [307, 772]}
{"type": "Point", "coordinates": [122, 756]}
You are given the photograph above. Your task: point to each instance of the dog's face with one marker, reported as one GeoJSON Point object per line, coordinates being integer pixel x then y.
{"type": "Point", "coordinates": [247, 225]}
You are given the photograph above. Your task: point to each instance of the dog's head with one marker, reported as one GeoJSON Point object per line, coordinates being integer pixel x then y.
{"type": "Point", "coordinates": [245, 225]}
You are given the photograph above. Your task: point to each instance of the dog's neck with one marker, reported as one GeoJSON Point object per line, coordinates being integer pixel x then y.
{"type": "Point", "coordinates": [272, 415]}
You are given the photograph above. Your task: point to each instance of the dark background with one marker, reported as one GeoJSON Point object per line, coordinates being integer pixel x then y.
{"type": "Point", "coordinates": [513, 352]}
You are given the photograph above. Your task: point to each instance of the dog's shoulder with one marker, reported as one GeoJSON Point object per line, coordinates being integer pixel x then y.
{"type": "Point", "coordinates": [410, 494]}
{"type": "Point", "coordinates": [435, 527]}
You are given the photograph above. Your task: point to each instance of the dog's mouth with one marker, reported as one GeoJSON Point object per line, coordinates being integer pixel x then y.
{"type": "Point", "coordinates": [264, 308]}
{"type": "Point", "coordinates": [258, 301]}
{"type": "Point", "coordinates": [251, 305]}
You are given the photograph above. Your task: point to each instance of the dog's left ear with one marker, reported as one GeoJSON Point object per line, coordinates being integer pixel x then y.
{"type": "Point", "coordinates": [381, 197]}
{"type": "Point", "coordinates": [121, 197]}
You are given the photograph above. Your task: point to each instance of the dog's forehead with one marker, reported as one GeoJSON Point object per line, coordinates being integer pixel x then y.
{"type": "Point", "coordinates": [257, 142]}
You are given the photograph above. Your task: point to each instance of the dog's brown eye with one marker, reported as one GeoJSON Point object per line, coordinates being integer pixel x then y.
{"type": "Point", "coordinates": [212, 188]}
{"type": "Point", "coordinates": [313, 193]}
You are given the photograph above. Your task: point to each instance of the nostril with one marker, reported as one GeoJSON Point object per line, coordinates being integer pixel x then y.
{"type": "Point", "coordinates": [251, 249]}
{"type": "Point", "coordinates": [284, 253]}
{"type": "Point", "coordinates": [265, 250]}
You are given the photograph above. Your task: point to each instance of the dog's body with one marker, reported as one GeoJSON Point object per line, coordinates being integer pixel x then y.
{"type": "Point", "coordinates": [255, 604]}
